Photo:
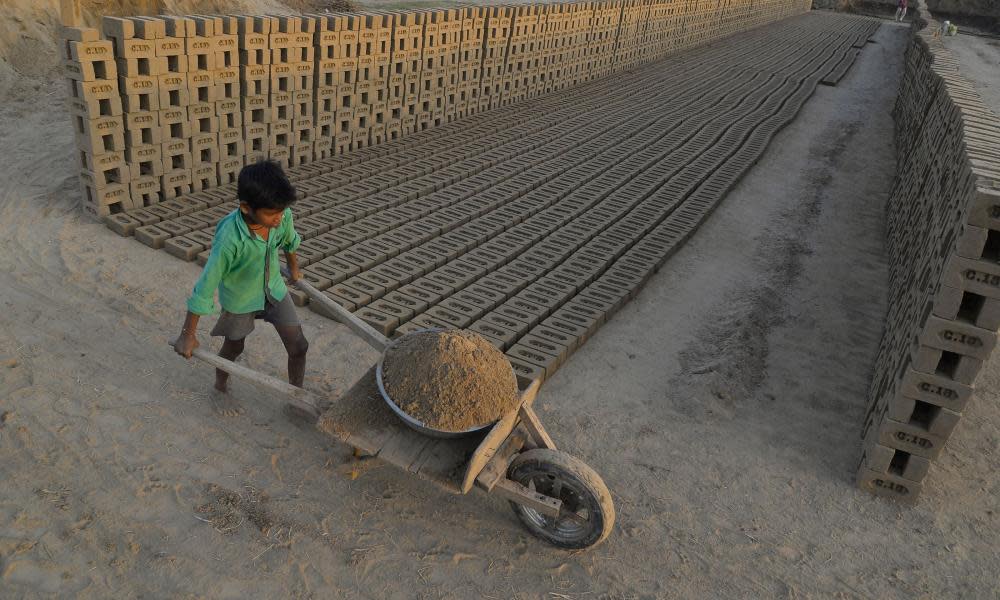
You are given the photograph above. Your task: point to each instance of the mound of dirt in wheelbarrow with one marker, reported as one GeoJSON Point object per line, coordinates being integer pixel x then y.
{"type": "Point", "coordinates": [450, 380]}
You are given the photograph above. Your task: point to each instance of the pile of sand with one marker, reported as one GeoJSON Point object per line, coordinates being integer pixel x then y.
{"type": "Point", "coordinates": [450, 380]}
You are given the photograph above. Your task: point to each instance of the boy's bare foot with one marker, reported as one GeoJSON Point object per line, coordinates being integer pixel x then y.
{"type": "Point", "coordinates": [224, 404]}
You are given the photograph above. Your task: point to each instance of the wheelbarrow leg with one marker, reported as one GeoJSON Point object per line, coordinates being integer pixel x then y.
{"type": "Point", "coordinates": [534, 426]}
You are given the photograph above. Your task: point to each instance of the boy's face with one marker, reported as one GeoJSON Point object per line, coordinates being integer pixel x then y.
{"type": "Point", "coordinates": [265, 217]}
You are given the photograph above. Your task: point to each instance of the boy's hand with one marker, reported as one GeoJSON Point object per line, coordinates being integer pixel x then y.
{"type": "Point", "coordinates": [185, 345]}
{"type": "Point", "coordinates": [292, 270]}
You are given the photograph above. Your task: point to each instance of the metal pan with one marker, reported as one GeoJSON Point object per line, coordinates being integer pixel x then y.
{"type": "Point", "coordinates": [417, 424]}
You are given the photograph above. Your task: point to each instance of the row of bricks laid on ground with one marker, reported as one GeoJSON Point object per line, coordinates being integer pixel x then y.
{"type": "Point", "coordinates": [147, 234]}
{"type": "Point", "coordinates": [310, 87]}
{"type": "Point", "coordinates": [385, 178]}
{"type": "Point", "coordinates": [540, 301]}
{"type": "Point", "coordinates": [537, 259]}
{"type": "Point", "coordinates": [944, 245]}
{"type": "Point", "coordinates": [504, 117]}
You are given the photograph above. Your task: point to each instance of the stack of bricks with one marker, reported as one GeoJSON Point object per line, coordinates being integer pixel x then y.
{"type": "Point", "coordinates": [215, 112]}
{"type": "Point", "coordinates": [177, 124]}
{"type": "Point", "coordinates": [431, 93]}
{"type": "Point", "coordinates": [303, 54]}
{"type": "Point", "coordinates": [285, 56]}
{"type": "Point", "coordinates": [559, 46]}
{"type": "Point", "coordinates": [228, 103]}
{"type": "Point", "coordinates": [470, 70]}
{"type": "Point", "coordinates": [347, 75]}
{"type": "Point", "coordinates": [414, 47]}
{"type": "Point", "coordinates": [365, 84]}
{"type": "Point", "coordinates": [326, 49]}
{"type": "Point", "coordinates": [628, 42]}
{"type": "Point", "coordinates": [523, 56]}
{"type": "Point", "coordinates": [944, 248]}
{"type": "Point", "coordinates": [549, 23]}
{"type": "Point", "coordinates": [584, 16]}
{"type": "Point", "coordinates": [603, 39]}
{"type": "Point", "coordinates": [381, 24]}
{"type": "Point", "coordinates": [496, 34]}
{"type": "Point", "coordinates": [141, 67]}
{"type": "Point", "coordinates": [194, 98]}
{"type": "Point", "coordinates": [450, 32]}
{"type": "Point", "coordinates": [255, 84]}
{"type": "Point", "coordinates": [403, 77]}
{"type": "Point", "coordinates": [96, 109]}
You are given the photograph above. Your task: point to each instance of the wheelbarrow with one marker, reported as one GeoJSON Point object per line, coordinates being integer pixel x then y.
{"type": "Point", "coordinates": [556, 496]}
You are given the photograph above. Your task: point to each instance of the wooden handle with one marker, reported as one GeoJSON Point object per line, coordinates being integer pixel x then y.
{"type": "Point", "coordinates": [363, 330]}
{"type": "Point", "coordinates": [297, 396]}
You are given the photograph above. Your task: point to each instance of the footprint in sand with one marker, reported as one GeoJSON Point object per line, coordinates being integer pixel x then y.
{"type": "Point", "coordinates": [224, 404]}
{"type": "Point", "coordinates": [30, 576]}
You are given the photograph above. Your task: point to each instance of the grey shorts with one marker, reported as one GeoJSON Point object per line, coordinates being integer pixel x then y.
{"type": "Point", "coordinates": [237, 326]}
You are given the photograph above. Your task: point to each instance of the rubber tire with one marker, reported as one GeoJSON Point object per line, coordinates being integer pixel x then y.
{"type": "Point", "coordinates": [595, 494]}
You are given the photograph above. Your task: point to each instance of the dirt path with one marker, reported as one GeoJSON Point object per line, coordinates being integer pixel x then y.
{"type": "Point", "coordinates": [722, 407]}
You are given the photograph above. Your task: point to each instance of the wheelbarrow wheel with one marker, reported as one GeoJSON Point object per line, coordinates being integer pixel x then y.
{"type": "Point", "coordinates": [588, 513]}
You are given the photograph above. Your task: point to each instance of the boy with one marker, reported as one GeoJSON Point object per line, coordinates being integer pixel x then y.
{"type": "Point", "coordinates": [244, 266]}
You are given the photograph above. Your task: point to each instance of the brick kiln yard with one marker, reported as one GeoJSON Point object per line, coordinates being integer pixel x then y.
{"type": "Point", "coordinates": [722, 405]}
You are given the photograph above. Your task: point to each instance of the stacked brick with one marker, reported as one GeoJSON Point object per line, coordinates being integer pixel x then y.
{"type": "Point", "coordinates": [632, 28]}
{"type": "Point", "coordinates": [470, 61]}
{"type": "Point", "coordinates": [523, 57]}
{"type": "Point", "coordinates": [194, 98]}
{"type": "Point", "coordinates": [95, 106]}
{"type": "Point", "coordinates": [944, 246]}
{"type": "Point", "coordinates": [285, 44]}
{"type": "Point", "coordinates": [497, 32]}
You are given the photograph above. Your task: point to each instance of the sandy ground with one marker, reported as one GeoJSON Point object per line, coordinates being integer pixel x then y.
{"type": "Point", "coordinates": [722, 407]}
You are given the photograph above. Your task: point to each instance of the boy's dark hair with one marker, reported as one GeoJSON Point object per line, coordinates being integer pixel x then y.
{"type": "Point", "coordinates": [265, 185]}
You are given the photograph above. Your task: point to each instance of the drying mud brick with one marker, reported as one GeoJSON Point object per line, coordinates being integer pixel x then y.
{"type": "Point", "coordinates": [183, 247]}
{"type": "Point", "coordinates": [152, 236]}
{"type": "Point", "coordinates": [449, 380]}
{"type": "Point", "coordinates": [887, 485]}
{"type": "Point", "coordinates": [123, 224]}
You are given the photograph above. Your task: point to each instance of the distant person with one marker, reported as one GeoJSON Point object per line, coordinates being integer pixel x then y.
{"type": "Point", "coordinates": [243, 266]}
{"type": "Point", "coordinates": [901, 9]}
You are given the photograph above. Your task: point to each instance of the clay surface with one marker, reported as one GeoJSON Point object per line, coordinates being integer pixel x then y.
{"type": "Point", "coordinates": [450, 380]}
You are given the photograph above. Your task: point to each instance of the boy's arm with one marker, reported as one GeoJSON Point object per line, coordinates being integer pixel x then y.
{"type": "Point", "coordinates": [290, 244]}
{"type": "Point", "coordinates": [293, 266]}
{"type": "Point", "coordinates": [202, 300]}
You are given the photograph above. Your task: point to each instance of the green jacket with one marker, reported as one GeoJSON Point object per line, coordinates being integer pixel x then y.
{"type": "Point", "coordinates": [236, 266]}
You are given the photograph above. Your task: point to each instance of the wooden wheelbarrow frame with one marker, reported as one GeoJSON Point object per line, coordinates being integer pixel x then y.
{"type": "Point", "coordinates": [433, 459]}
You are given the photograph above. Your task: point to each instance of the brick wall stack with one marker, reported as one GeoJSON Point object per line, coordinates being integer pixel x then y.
{"type": "Point", "coordinates": [943, 239]}
{"type": "Point", "coordinates": [169, 105]}
{"type": "Point", "coordinates": [95, 106]}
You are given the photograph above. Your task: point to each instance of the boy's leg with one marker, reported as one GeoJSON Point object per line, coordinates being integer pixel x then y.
{"type": "Point", "coordinates": [296, 345]}
{"type": "Point", "coordinates": [230, 350]}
